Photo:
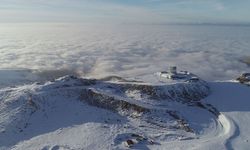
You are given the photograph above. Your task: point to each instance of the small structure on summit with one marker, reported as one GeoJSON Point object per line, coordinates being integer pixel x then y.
{"type": "Point", "coordinates": [173, 74]}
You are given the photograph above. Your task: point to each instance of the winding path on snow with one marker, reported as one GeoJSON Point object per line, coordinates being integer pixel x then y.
{"type": "Point", "coordinates": [231, 130]}
{"type": "Point", "coordinates": [233, 101]}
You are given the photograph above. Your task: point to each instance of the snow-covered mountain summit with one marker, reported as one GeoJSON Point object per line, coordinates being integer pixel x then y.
{"type": "Point", "coordinates": [109, 113]}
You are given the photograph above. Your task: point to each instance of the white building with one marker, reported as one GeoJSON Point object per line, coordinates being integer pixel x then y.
{"type": "Point", "coordinates": [173, 74]}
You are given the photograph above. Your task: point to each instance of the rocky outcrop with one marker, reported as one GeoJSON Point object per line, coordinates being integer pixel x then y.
{"type": "Point", "coordinates": [101, 100]}
{"type": "Point", "coordinates": [244, 78]}
{"type": "Point", "coordinates": [184, 92]}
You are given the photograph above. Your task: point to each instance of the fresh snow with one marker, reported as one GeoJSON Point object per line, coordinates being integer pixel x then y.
{"type": "Point", "coordinates": [52, 116]}
{"type": "Point", "coordinates": [232, 132]}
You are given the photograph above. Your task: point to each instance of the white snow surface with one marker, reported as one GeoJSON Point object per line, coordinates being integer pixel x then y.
{"type": "Point", "coordinates": [232, 133]}
{"type": "Point", "coordinates": [51, 116]}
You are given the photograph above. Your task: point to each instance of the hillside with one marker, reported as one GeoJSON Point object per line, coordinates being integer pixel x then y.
{"type": "Point", "coordinates": [117, 113]}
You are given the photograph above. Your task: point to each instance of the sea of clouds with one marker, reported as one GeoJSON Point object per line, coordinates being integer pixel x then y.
{"type": "Point", "coordinates": [212, 52]}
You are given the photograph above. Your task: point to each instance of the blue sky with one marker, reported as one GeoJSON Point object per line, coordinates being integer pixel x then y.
{"type": "Point", "coordinates": [126, 11]}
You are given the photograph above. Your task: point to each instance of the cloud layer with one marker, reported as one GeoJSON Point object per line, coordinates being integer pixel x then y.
{"type": "Point", "coordinates": [213, 52]}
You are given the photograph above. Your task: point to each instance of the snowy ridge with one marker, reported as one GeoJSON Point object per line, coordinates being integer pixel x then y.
{"type": "Point", "coordinates": [73, 113]}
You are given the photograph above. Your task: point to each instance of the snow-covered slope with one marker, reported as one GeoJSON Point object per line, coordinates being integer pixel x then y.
{"type": "Point", "coordinates": [231, 99]}
{"type": "Point", "coordinates": [116, 113]}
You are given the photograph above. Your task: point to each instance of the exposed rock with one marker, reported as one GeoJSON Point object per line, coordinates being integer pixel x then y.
{"type": "Point", "coordinates": [177, 92]}
{"type": "Point", "coordinates": [138, 137]}
{"type": "Point", "coordinates": [129, 143]}
{"type": "Point", "coordinates": [244, 78]}
{"type": "Point", "coordinates": [109, 102]}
